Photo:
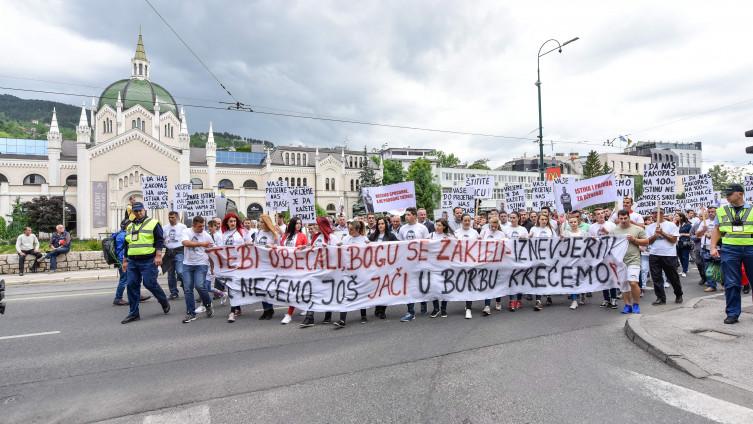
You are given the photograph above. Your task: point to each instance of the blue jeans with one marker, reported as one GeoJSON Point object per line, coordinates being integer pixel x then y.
{"type": "Point", "coordinates": [176, 274]}
{"type": "Point", "coordinates": [684, 255]}
{"type": "Point", "coordinates": [732, 259]}
{"type": "Point", "coordinates": [52, 255]}
{"type": "Point", "coordinates": [195, 277]}
{"type": "Point", "coordinates": [122, 282]}
{"type": "Point", "coordinates": [138, 270]}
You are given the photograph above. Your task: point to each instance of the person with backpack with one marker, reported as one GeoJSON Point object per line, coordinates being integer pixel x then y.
{"type": "Point", "coordinates": [115, 253]}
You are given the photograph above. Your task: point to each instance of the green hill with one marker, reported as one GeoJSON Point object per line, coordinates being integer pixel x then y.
{"type": "Point", "coordinates": [225, 140]}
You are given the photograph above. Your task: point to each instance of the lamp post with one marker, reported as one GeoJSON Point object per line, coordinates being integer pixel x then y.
{"type": "Point", "coordinates": [538, 86]}
{"type": "Point", "coordinates": [65, 188]}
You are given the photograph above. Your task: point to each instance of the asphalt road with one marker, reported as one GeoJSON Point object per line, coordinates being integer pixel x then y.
{"type": "Point", "coordinates": [556, 365]}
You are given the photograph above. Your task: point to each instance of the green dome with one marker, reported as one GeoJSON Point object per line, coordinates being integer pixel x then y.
{"type": "Point", "coordinates": [137, 91]}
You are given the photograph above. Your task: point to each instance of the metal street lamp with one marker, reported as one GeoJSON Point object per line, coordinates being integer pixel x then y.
{"type": "Point", "coordinates": [538, 86]}
{"type": "Point", "coordinates": [65, 188]}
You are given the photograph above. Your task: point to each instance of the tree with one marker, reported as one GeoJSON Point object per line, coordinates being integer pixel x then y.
{"type": "Point", "coordinates": [19, 220]}
{"type": "Point", "coordinates": [592, 167]}
{"type": "Point", "coordinates": [393, 172]}
{"type": "Point", "coordinates": [427, 191]}
{"type": "Point", "coordinates": [722, 176]}
{"type": "Point", "coordinates": [368, 178]}
{"type": "Point", "coordinates": [480, 164]}
{"type": "Point", "coordinates": [638, 186]}
{"type": "Point", "coordinates": [45, 213]}
{"type": "Point", "coordinates": [320, 211]}
{"type": "Point", "coordinates": [605, 169]}
{"type": "Point", "coordinates": [376, 159]}
{"type": "Point", "coordinates": [446, 161]}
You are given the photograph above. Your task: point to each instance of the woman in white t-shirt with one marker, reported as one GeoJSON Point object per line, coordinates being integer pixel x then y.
{"type": "Point", "coordinates": [355, 236]}
{"type": "Point", "coordinates": [442, 231]}
{"type": "Point", "coordinates": [231, 234]}
{"type": "Point", "coordinates": [512, 232]}
{"type": "Point", "coordinates": [573, 230]}
{"type": "Point", "coordinates": [323, 235]}
{"type": "Point", "coordinates": [466, 231]}
{"type": "Point", "coordinates": [542, 229]}
{"type": "Point", "coordinates": [494, 232]}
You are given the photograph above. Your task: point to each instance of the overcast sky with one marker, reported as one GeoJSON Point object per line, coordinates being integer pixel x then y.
{"type": "Point", "coordinates": [676, 71]}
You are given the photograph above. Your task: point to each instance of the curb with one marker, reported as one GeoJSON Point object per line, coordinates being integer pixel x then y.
{"type": "Point", "coordinates": [638, 335]}
{"type": "Point", "coordinates": [62, 280]}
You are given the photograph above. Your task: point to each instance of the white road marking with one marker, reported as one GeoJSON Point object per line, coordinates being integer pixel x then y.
{"type": "Point", "coordinates": [56, 296]}
{"type": "Point", "coordinates": [694, 402]}
{"type": "Point", "coordinates": [195, 415]}
{"type": "Point", "coordinates": [19, 336]}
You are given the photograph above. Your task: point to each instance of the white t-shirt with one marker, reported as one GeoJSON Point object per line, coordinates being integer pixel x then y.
{"type": "Point", "coordinates": [568, 232]}
{"type": "Point", "coordinates": [355, 240]}
{"type": "Point", "coordinates": [232, 238]}
{"type": "Point", "coordinates": [248, 235]}
{"type": "Point", "coordinates": [469, 234]}
{"type": "Point", "coordinates": [173, 235]}
{"type": "Point", "coordinates": [264, 238]}
{"type": "Point", "coordinates": [413, 232]}
{"type": "Point", "coordinates": [494, 235]}
{"type": "Point", "coordinates": [516, 232]}
{"type": "Point", "coordinates": [635, 217]}
{"type": "Point", "coordinates": [196, 255]}
{"type": "Point", "coordinates": [538, 232]}
{"type": "Point", "coordinates": [709, 224]}
{"type": "Point", "coordinates": [662, 247]}
{"type": "Point", "coordinates": [319, 241]}
{"type": "Point", "coordinates": [440, 236]}
{"type": "Point", "coordinates": [342, 232]}
{"type": "Point", "coordinates": [595, 229]}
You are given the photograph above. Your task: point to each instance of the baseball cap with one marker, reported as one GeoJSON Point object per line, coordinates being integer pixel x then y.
{"type": "Point", "coordinates": [137, 206]}
{"type": "Point", "coordinates": [732, 188]}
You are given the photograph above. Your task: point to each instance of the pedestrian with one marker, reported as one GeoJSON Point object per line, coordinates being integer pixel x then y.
{"type": "Point", "coordinates": [442, 231]}
{"type": "Point", "coordinates": [543, 229]}
{"type": "Point", "coordinates": [293, 237]}
{"type": "Point", "coordinates": [342, 226]}
{"type": "Point", "coordinates": [322, 236]}
{"type": "Point", "coordinates": [355, 237]}
{"type": "Point", "coordinates": [696, 253]}
{"type": "Point", "coordinates": [145, 241]}
{"type": "Point", "coordinates": [705, 231]}
{"type": "Point", "coordinates": [27, 244]}
{"type": "Point", "coordinates": [412, 230]}
{"type": "Point", "coordinates": [172, 263]}
{"type": "Point", "coordinates": [370, 224]}
{"type": "Point", "coordinates": [635, 217]}
{"type": "Point", "coordinates": [734, 228]}
{"type": "Point", "coordinates": [636, 237]}
{"type": "Point", "coordinates": [465, 231]}
{"type": "Point", "coordinates": [514, 231]}
{"type": "Point", "coordinates": [572, 230]}
{"type": "Point", "coordinates": [119, 240]}
{"type": "Point", "coordinates": [395, 225]}
{"type": "Point", "coordinates": [494, 232]}
{"type": "Point", "coordinates": [195, 268]}
{"type": "Point", "coordinates": [684, 243]}
{"type": "Point", "coordinates": [662, 237]}
{"type": "Point", "coordinates": [60, 243]}
{"type": "Point", "coordinates": [457, 218]}
{"type": "Point", "coordinates": [602, 228]}
{"type": "Point", "coordinates": [645, 253]}
{"type": "Point", "coordinates": [267, 236]}
{"type": "Point", "coordinates": [422, 219]}
{"type": "Point", "coordinates": [381, 234]}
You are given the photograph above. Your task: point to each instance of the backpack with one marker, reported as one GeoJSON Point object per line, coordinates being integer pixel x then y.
{"type": "Point", "coordinates": [108, 250]}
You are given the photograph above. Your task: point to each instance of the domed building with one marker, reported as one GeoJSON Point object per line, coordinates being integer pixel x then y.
{"type": "Point", "coordinates": [137, 128]}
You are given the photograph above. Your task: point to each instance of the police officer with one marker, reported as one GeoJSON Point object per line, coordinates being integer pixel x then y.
{"type": "Point", "coordinates": [144, 243]}
{"type": "Point", "coordinates": [734, 226]}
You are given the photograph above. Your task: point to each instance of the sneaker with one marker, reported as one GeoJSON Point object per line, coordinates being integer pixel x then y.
{"type": "Point", "coordinates": [443, 314]}
{"type": "Point", "coordinates": [613, 303]}
{"type": "Point", "coordinates": [210, 311]}
{"type": "Point", "coordinates": [286, 319]}
{"type": "Point", "coordinates": [659, 302]}
{"type": "Point", "coordinates": [200, 309]}
{"type": "Point", "coordinates": [165, 307]}
{"type": "Point", "coordinates": [364, 320]}
{"type": "Point", "coordinates": [327, 320]}
{"type": "Point", "coordinates": [407, 317]}
{"type": "Point", "coordinates": [189, 318]}
{"type": "Point", "coordinates": [498, 306]}
{"type": "Point", "coordinates": [511, 306]}
{"type": "Point", "coordinates": [223, 298]}
{"type": "Point", "coordinates": [582, 299]}
{"type": "Point", "coordinates": [468, 314]}
{"type": "Point", "coordinates": [307, 322]}
{"type": "Point", "coordinates": [434, 313]}
{"type": "Point", "coordinates": [21, 274]}
{"type": "Point", "coordinates": [682, 274]}
{"type": "Point", "coordinates": [486, 311]}
{"type": "Point", "coordinates": [604, 304]}
{"type": "Point", "coordinates": [538, 306]}
{"type": "Point", "coordinates": [574, 305]}
{"type": "Point", "coordinates": [120, 302]}
{"type": "Point", "coordinates": [173, 296]}
{"type": "Point", "coordinates": [709, 289]}
{"type": "Point", "coordinates": [642, 291]}
{"type": "Point", "coordinates": [666, 285]}
{"type": "Point", "coordinates": [231, 317]}
{"type": "Point", "coordinates": [636, 308]}
{"type": "Point", "coordinates": [627, 309]}
{"type": "Point", "coordinates": [339, 324]}
{"type": "Point", "coordinates": [548, 300]}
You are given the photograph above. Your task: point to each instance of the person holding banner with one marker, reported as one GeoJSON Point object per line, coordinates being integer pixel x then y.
{"type": "Point", "coordinates": [572, 230]}
{"type": "Point", "coordinates": [293, 237]}
{"type": "Point", "coordinates": [514, 231]}
{"type": "Point", "coordinates": [323, 235]}
{"type": "Point", "coordinates": [602, 228]}
{"type": "Point", "coordinates": [441, 231]}
{"type": "Point", "coordinates": [465, 231]}
{"type": "Point", "coordinates": [267, 236]}
{"type": "Point", "coordinates": [494, 232]}
{"type": "Point", "coordinates": [412, 230]}
{"type": "Point", "coordinates": [636, 237]}
{"type": "Point", "coordinates": [734, 228]}
{"type": "Point", "coordinates": [355, 236]}
{"type": "Point", "coordinates": [382, 233]}
{"type": "Point", "coordinates": [457, 218]}
{"type": "Point", "coordinates": [542, 229]}
{"type": "Point", "coordinates": [662, 237]}
{"type": "Point", "coordinates": [195, 267]}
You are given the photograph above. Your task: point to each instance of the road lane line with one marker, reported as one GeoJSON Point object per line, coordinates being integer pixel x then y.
{"type": "Point", "coordinates": [19, 336]}
{"type": "Point", "coordinates": [694, 402]}
{"type": "Point", "coordinates": [195, 415]}
{"type": "Point", "coordinates": [56, 296]}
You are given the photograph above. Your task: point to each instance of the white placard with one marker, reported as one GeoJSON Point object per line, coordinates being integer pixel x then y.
{"type": "Point", "coordinates": [154, 191]}
{"type": "Point", "coordinates": [563, 194]}
{"type": "Point", "coordinates": [389, 197]}
{"type": "Point", "coordinates": [542, 194]}
{"type": "Point", "coordinates": [458, 197]}
{"type": "Point", "coordinates": [480, 186]}
{"type": "Point", "coordinates": [594, 191]}
{"type": "Point", "coordinates": [200, 204]}
{"type": "Point", "coordinates": [659, 185]}
{"type": "Point", "coordinates": [515, 197]}
{"type": "Point", "coordinates": [301, 201]}
{"type": "Point", "coordinates": [276, 196]}
{"type": "Point", "coordinates": [625, 188]}
{"type": "Point", "coordinates": [749, 189]}
{"type": "Point", "coordinates": [180, 191]}
{"type": "Point", "coordinates": [699, 191]}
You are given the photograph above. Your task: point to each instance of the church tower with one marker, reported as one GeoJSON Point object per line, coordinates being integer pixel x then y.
{"type": "Point", "coordinates": [139, 62]}
{"type": "Point", "coordinates": [83, 189]}
{"type": "Point", "coordinates": [54, 147]}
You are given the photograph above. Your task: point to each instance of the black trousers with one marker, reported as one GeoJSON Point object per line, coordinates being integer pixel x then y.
{"type": "Point", "coordinates": [668, 264]}
{"type": "Point", "coordinates": [22, 259]}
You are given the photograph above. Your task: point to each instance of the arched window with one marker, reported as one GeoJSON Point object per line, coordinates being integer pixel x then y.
{"type": "Point", "coordinates": [279, 179]}
{"type": "Point", "coordinates": [4, 179]}
{"type": "Point", "coordinates": [140, 69]}
{"type": "Point", "coordinates": [326, 184]}
{"type": "Point", "coordinates": [34, 179]}
{"type": "Point", "coordinates": [196, 183]}
{"type": "Point", "coordinates": [305, 184]}
{"type": "Point", "coordinates": [225, 184]}
{"type": "Point", "coordinates": [333, 184]}
{"type": "Point", "coordinates": [134, 69]}
{"type": "Point", "coordinates": [358, 184]}
{"type": "Point", "coordinates": [287, 182]}
{"type": "Point", "coordinates": [331, 208]}
{"type": "Point", "coordinates": [133, 123]}
{"type": "Point", "coordinates": [251, 184]}
{"type": "Point", "coordinates": [298, 182]}
{"type": "Point", "coordinates": [146, 69]}
{"type": "Point", "coordinates": [143, 125]}
{"type": "Point", "coordinates": [287, 158]}
{"type": "Point", "coordinates": [298, 159]}
{"type": "Point", "coordinates": [71, 180]}
{"type": "Point", "coordinates": [305, 160]}
{"type": "Point", "coordinates": [351, 185]}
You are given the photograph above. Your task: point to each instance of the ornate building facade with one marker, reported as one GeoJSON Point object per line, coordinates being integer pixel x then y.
{"type": "Point", "coordinates": [136, 128]}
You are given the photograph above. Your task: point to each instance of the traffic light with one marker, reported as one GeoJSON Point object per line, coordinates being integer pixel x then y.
{"type": "Point", "coordinates": [2, 297]}
{"type": "Point", "coordinates": [749, 149]}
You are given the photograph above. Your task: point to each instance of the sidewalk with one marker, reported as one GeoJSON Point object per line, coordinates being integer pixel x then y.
{"type": "Point", "coordinates": [61, 277]}
{"type": "Point", "coordinates": [693, 339]}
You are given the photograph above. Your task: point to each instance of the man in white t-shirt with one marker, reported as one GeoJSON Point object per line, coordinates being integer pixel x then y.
{"type": "Point", "coordinates": [195, 267]}
{"type": "Point", "coordinates": [456, 221]}
{"type": "Point", "coordinates": [601, 227]}
{"type": "Point", "coordinates": [412, 230]}
{"type": "Point", "coordinates": [172, 261]}
{"type": "Point", "coordinates": [662, 237]}
{"type": "Point", "coordinates": [635, 217]}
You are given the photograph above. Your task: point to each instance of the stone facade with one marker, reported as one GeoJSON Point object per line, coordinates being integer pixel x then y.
{"type": "Point", "coordinates": [72, 261]}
